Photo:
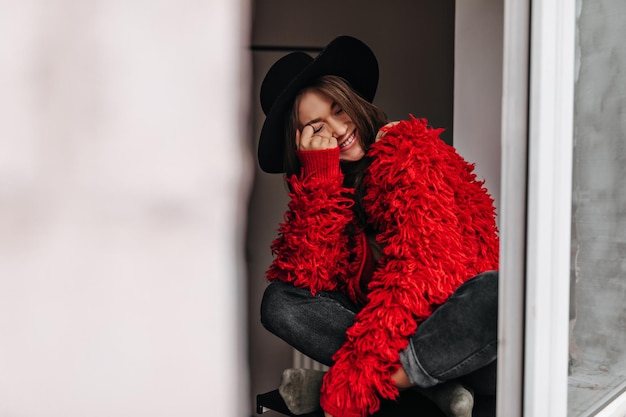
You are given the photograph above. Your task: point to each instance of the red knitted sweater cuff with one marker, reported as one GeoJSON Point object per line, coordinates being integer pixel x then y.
{"type": "Point", "coordinates": [320, 163]}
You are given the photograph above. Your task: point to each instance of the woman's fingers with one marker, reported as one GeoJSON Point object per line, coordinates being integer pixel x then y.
{"type": "Point", "coordinates": [303, 138]}
{"type": "Point", "coordinates": [322, 142]}
{"type": "Point", "coordinates": [308, 140]}
{"type": "Point", "coordinates": [382, 133]}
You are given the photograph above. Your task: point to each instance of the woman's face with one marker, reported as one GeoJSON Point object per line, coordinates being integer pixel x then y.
{"type": "Point", "coordinates": [329, 120]}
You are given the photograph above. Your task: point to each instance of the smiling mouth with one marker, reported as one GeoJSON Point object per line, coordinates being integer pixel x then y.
{"type": "Point", "coordinates": [348, 141]}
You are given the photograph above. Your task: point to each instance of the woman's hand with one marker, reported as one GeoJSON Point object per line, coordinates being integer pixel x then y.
{"type": "Point", "coordinates": [381, 133]}
{"type": "Point", "coordinates": [401, 379]}
{"type": "Point", "coordinates": [326, 414]}
{"type": "Point", "coordinates": [310, 141]}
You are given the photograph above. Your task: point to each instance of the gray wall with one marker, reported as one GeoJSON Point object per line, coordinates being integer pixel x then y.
{"type": "Point", "coordinates": [414, 41]}
{"type": "Point", "coordinates": [599, 204]}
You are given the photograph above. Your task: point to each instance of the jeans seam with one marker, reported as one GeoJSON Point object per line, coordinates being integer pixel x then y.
{"type": "Point", "coordinates": [466, 361]}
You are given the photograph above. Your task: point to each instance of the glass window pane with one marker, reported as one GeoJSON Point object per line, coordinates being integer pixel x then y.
{"type": "Point", "coordinates": [598, 280]}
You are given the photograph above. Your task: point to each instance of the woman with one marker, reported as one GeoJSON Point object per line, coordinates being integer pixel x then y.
{"type": "Point", "coordinates": [381, 265]}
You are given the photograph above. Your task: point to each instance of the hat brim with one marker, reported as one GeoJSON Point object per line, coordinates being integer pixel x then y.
{"type": "Point", "coordinates": [346, 57]}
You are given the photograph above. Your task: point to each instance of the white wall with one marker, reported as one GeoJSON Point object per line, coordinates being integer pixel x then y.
{"type": "Point", "coordinates": [123, 180]}
{"type": "Point", "coordinates": [478, 87]}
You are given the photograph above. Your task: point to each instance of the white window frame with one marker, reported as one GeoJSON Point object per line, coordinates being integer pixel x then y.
{"type": "Point", "coordinates": [535, 214]}
{"type": "Point", "coordinates": [550, 148]}
{"type": "Point", "coordinates": [512, 216]}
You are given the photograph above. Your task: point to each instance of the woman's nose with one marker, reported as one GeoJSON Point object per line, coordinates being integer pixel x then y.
{"type": "Point", "coordinates": [338, 127]}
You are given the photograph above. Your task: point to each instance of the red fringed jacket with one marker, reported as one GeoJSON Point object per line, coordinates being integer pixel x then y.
{"type": "Point", "coordinates": [436, 225]}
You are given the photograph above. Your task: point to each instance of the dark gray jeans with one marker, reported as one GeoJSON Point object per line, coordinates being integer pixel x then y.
{"type": "Point", "coordinates": [458, 341]}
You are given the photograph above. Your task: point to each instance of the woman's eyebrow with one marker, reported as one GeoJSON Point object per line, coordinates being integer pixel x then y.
{"type": "Point", "coordinates": [333, 106]}
{"type": "Point", "coordinates": [313, 121]}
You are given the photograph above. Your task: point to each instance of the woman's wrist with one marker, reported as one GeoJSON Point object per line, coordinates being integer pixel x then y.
{"type": "Point", "coordinates": [320, 163]}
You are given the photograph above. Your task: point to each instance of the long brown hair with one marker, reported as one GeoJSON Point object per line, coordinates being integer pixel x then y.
{"type": "Point", "coordinates": [367, 118]}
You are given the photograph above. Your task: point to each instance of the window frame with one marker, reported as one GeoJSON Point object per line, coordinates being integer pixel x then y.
{"type": "Point", "coordinates": [535, 215]}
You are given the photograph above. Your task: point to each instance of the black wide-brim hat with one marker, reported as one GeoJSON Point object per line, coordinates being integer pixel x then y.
{"type": "Point", "coordinates": [344, 56]}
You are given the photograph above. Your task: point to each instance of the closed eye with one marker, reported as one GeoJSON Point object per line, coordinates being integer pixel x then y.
{"type": "Point", "coordinates": [336, 109]}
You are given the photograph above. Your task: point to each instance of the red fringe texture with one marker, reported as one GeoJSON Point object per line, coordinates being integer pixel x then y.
{"type": "Point", "coordinates": [436, 224]}
{"type": "Point", "coordinates": [312, 249]}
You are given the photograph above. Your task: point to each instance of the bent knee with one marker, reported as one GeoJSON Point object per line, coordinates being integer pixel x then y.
{"type": "Point", "coordinates": [485, 284]}
{"type": "Point", "coordinates": [483, 291]}
{"type": "Point", "coordinates": [488, 297]}
{"type": "Point", "coordinates": [270, 305]}
{"type": "Point", "coordinates": [488, 282]}
{"type": "Point", "coordinates": [276, 305]}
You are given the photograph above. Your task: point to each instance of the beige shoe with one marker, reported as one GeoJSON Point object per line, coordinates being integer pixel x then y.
{"type": "Point", "coordinates": [300, 389]}
{"type": "Point", "coordinates": [452, 398]}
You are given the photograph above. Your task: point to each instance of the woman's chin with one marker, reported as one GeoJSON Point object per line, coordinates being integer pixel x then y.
{"type": "Point", "coordinates": [352, 155]}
